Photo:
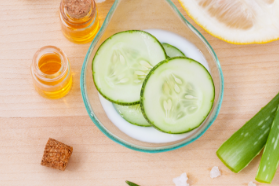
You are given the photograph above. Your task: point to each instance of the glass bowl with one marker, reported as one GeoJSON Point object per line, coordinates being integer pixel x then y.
{"type": "Point", "coordinates": [141, 15]}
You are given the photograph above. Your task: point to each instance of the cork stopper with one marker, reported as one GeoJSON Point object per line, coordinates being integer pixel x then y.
{"type": "Point", "coordinates": [77, 8]}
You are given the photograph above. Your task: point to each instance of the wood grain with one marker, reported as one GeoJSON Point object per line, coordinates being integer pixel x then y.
{"type": "Point", "coordinates": [28, 120]}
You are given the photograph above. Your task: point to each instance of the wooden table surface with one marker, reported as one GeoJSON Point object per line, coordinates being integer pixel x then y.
{"type": "Point", "coordinates": [27, 120]}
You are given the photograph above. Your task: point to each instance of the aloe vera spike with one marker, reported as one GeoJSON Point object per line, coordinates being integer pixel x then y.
{"type": "Point", "coordinates": [131, 183]}
{"type": "Point", "coordinates": [246, 143]}
{"type": "Point", "coordinates": [270, 159]}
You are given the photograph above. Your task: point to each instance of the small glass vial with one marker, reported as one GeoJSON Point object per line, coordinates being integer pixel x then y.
{"type": "Point", "coordinates": [51, 72]}
{"type": "Point", "coordinates": [79, 20]}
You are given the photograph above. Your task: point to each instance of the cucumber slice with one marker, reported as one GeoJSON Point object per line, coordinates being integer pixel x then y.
{"type": "Point", "coordinates": [246, 143]}
{"type": "Point", "coordinates": [132, 114]}
{"type": "Point", "coordinates": [177, 95]}
{"type": "Point", "coordinates": [270, 158]}
{"type": "Point", "coordinates": [121, 63]}
{"type": "Point", "coordinates": [172, 51]}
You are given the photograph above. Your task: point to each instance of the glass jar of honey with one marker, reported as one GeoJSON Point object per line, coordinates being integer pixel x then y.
{"type": "Point", "coordinates": [51, 72]}
{"type": "Point", "coordinates": [79, 20]}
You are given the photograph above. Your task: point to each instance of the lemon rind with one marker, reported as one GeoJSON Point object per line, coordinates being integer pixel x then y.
{"type": "Point", "coordinates": [221, 38]}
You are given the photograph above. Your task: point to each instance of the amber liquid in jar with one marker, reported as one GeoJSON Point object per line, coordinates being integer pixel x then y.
{"type": "Point", "coordinates": [51, 72]}
{"type": "Point", "coordinates": [82, 29]}
{"type": "Point", "coordinates": [50, 63]}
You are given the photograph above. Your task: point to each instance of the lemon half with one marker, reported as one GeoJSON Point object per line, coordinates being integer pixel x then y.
{"type": "Point", "coordinates": [236, 21]}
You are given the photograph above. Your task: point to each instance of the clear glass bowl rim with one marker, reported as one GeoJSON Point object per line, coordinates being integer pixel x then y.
{"type": "Point", "coordinates": [110, 135]}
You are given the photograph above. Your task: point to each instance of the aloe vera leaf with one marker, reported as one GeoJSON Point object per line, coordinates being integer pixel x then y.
{"type": "Point", "coordinates": [131, 183]}
{"type": "Point", "coordinates": [246, 143]}
{"type": "Point", "coordinates": [270, 159]}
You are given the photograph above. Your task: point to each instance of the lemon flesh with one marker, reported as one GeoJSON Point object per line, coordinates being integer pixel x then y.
{"type": "Point", "coordinates": [236, 21]}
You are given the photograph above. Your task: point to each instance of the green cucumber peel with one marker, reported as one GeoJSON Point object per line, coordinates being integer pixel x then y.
{"type": "Point", "coordinates": [131, 183]}
{"type": "Point", "coordinates": [132, 114]}
{"type": "Point", "coordinates": [246, 143]}
{"type": "Point", "coordinates": [270, 158]}
{"type": "Point", "coordinates": [172, 51]}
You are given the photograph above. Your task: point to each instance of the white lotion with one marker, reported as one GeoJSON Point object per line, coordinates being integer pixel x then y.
{"type": "Point", "coordinates": [150, 134]}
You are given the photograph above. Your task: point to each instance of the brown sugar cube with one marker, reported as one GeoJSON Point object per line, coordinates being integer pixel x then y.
{"type": "Point", "coordinates": [56, 154]}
